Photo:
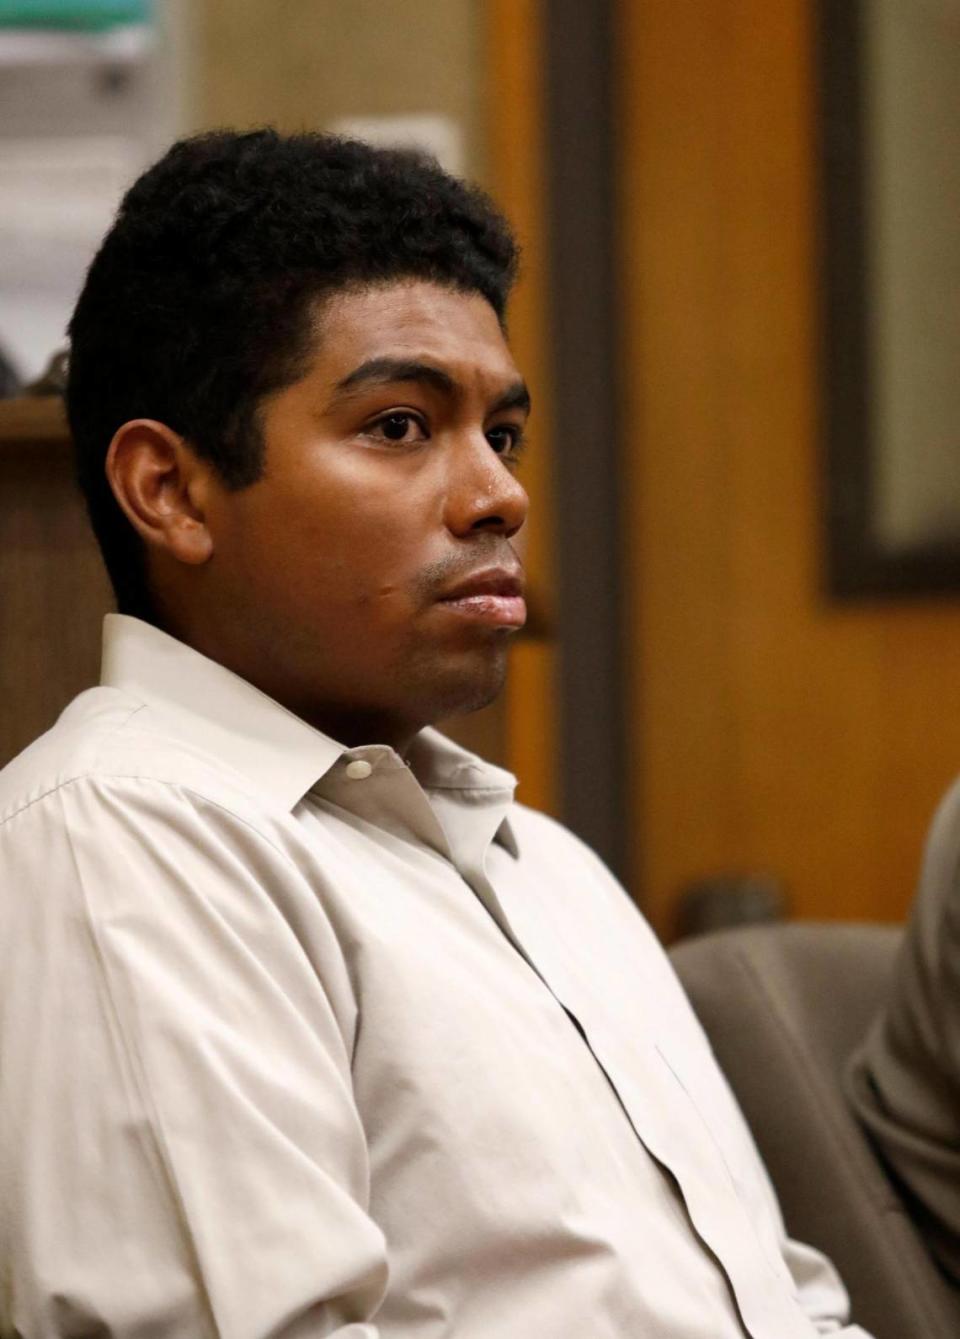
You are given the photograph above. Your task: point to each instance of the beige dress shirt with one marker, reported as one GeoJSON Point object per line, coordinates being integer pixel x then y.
{"type": "Point", "coordinates": [304, 1041]}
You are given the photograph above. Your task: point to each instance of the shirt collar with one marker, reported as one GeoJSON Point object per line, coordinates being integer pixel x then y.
{"type": "Point", "coordinates": [215, 709]}
{"type": "Point", "coordinates": [277, 752]}
{"type": "Point", "coordinates": [443, 767]}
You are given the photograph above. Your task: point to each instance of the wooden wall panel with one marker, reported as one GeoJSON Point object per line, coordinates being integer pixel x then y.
{"type": "Point", "coordinates": [516, 156]}
{"type": "Point", "coordinates": [298, 64]}
{"type": "Point", "coordinates": [53, 589]}
{"type": "Point", "coordinates": [771, 730]}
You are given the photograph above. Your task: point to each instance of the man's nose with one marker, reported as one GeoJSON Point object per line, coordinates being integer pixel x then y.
{"type": "Point", "coordinates": [482, 491]}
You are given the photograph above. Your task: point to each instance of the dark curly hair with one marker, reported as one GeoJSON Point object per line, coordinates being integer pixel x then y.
{"type": "Point", "coordinates": [201, 298]}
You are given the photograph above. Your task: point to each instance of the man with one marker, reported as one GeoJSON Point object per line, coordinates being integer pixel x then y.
{"type": "Point", "coordinates": [307, 1029]}
{"type": "Point", "coordinates": [905, 1081]}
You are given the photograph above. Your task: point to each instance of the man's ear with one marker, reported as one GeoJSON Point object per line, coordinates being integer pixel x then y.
{"type": "Point", "coordinates": [162, 486]}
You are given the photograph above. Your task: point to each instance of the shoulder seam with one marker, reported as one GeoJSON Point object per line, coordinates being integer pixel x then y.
{"type": "Point", "coordinates": [179, 786]}
{"type": "Point", "coordinates": [15, 813]}
{"type": "Point", "coordinates": [77, 776]}
{"type": "Point", "coordinates": [119, 725]}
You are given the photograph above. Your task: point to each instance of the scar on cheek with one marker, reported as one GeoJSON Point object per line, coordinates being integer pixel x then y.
{"type": "Point", "coordinates": [377, 595]}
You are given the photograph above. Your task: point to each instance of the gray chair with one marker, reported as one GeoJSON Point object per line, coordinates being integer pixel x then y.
{"type": "Point", "coordinates": [784, 1007]}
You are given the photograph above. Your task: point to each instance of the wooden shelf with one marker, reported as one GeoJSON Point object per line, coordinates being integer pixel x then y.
{"type": "Point", "coordinates": [39, 419]}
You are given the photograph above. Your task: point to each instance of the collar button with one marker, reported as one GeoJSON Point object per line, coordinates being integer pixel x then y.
{"type": "Point", "coordinates": [358, 770]}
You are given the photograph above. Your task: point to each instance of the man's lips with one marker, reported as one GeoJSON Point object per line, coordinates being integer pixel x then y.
{"type": "Point", "coordinates": [493, 596]}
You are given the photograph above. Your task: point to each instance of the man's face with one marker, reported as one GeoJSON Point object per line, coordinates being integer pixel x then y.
{"type": "Point", "coordinates": [368, 580]}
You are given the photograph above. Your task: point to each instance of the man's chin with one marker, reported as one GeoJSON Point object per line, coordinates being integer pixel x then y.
{"type": "Point", "coordinates": [467, 687]}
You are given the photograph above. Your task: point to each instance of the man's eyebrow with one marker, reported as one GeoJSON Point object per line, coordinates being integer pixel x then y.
{"type": "Point", "coordinates": [383, 371]}
{"type": "Point", "coordinates": [516, 396]}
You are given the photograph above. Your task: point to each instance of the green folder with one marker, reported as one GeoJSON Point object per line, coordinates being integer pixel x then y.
{"type": "Point", "coordinates": [94, 16]}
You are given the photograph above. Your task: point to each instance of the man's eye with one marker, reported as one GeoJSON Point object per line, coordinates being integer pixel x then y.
{"type": "Point", "coordinates": [506, 439]}
{"type": "Point", "coordinates": [399, 427]}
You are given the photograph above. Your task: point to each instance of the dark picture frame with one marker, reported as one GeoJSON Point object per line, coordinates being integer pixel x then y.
{"type": "Point", "coordinates": [868, 555]}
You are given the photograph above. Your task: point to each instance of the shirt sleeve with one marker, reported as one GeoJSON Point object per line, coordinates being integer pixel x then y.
{"type": "Point", "coordinates": [905, 1082]}
{"type": "Point", "coordinates": [180, 1153]}
{"type": "Point", "coordinates": [820, 1289]}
